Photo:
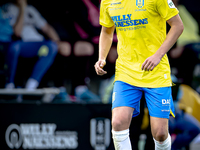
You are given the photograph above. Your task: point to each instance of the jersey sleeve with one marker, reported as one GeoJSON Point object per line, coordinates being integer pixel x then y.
{"type": "Point", "coordinates": [166, 9]}
{"type": "Point", "coordinates": [105, 19]}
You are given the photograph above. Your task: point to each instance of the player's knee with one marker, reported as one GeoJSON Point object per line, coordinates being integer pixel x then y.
{"type": "Point", "coordinates": [117, 124]}
{"type": "Point", "coordinates": [161, 136]}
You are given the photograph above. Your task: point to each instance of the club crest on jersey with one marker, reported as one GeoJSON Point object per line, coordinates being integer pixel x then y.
{"type": "Point", "coordinates": [139, 3]}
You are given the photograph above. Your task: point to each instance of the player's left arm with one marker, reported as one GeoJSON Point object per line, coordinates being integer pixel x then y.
{"type": "Point", "coordinates": [175, 31]}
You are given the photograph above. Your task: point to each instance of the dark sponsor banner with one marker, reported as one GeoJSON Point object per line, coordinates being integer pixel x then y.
{"type": "Point", "coordinates": [55, 126]}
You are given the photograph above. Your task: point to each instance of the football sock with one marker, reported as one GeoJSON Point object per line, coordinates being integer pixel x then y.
{"type": "Point", "coordinates": [121, 140]}
{"type": "Point", "coordinates": [165, 145]}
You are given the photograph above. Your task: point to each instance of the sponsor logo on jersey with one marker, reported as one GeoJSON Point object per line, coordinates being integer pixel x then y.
{"type": "Point", "coordinates": [115, 3]}
{"type": "Point", "coordinates": [126, 21]}
{"type": "Point", "coordinates": [140, 9]}
{"type": "Point", "coordinates": [117, 8]}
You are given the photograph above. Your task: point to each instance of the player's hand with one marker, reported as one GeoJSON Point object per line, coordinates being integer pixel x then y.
{"type": "Point", "coordinates": [151, 62]}
{"type": "Point", "coordinates": [99, 67]}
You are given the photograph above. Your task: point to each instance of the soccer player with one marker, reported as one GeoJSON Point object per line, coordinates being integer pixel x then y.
{"type": "Point", "coordinates": [142, 65]}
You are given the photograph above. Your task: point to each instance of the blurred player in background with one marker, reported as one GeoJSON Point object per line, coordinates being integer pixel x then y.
{"type": "Point", "coordinates": [28, 42]}
{"type": "Point", "coordinates": [142, 65]}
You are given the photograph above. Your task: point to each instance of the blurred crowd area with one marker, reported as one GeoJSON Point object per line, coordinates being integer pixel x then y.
{"type": "Point", "coordinates": [55, 44]}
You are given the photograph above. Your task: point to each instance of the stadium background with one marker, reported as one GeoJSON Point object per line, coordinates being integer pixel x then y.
{"type": "Point", "coordinates": [37, 125]}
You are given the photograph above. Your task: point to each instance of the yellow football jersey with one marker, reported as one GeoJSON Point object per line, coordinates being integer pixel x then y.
{"type": "Point", "coordinates": [141, 30]}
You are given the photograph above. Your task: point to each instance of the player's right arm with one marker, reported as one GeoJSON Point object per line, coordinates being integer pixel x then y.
{"type": "Point", "coordinates": [18, 26]}
{"type": "Point", "coordinates": [106, 38]}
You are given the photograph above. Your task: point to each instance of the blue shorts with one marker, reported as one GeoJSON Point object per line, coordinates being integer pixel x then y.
{"type": "Point", "coordinates": [159, 100]}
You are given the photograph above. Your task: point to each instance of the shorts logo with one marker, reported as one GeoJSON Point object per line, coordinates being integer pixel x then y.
{"type": "Point", "coordinates": [171, 4]}
{"type": "Point", "coordinates": [165, 110]}
{"type": "Point", "coordinates": [165, 101]}
{"type": "Point", "coordinates": [139, 3]}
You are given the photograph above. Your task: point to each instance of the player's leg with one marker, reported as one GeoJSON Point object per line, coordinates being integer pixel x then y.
{"type": "Point", "coordinates": [160, 133]}
{"type": "Point", "coordinates": [160, 105]}
{"type": "Point", "coordinates": [121, 118]}
{"type": "Point", "coordinates": [125, 105]}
